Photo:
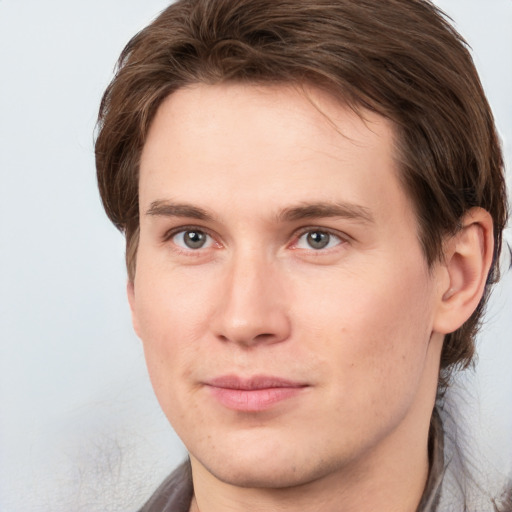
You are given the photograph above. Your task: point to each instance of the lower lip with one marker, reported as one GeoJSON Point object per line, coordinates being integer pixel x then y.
{"type": "Point", "coordinates": [253, 400]}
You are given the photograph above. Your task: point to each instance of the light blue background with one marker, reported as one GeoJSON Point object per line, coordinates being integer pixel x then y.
{"type": "Point", "coordinates": [80, 429]}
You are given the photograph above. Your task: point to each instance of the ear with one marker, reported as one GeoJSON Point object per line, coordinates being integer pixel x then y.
{"type": "Point", "coordinates": [467, 260]}
{"type": "Point", "coordinates": [130, 292]}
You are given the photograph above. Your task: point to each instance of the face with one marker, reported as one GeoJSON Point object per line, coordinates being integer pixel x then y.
{"type": "Point", "coordinates": [281, 294]}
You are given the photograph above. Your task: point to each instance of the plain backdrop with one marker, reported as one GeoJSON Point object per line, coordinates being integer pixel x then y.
{"type": "Point", "coordinates": [80, 429]}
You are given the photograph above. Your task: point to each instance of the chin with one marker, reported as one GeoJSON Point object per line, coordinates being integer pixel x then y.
{"type": "Point", "coordinates": [270, 471]}
{"type": "Point", "coordinates": [267, 478]}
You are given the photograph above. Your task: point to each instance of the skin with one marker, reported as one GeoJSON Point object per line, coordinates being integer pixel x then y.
{"type": "Point", "coordinates": [359, 323]}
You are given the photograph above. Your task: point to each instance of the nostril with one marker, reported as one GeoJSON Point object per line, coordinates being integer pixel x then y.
{"type": "Point", "coordinates": [264, 336]}
{"type": "Point", "coordinates": [250, 340]}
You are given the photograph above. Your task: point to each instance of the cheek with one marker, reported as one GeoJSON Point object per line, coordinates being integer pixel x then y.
{"type": "Point", "coordinates": [172, 305]}
{"type": "Point", "coordinates": [172, 315]}
{"type": "Point", "coordinates": [374, 328]}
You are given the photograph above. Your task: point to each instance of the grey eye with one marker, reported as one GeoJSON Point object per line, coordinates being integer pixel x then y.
{"type": "Point", "coordinates": [318, 239]}
{"type": "Point", "coordinates": [192, 239]}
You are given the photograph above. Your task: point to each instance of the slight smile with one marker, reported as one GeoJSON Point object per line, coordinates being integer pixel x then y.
{"type": "Point", "coordinates": [254, 394]}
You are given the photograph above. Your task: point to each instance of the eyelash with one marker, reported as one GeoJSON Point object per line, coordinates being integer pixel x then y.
{"type": "Point", "coordinates": [169, 235]}
{"type": "Point", "coordinates": [317, 229]}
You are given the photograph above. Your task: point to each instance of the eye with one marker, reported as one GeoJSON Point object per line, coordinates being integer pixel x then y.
{"type": "Point", "coordinates": [192, 239]}
{"type": "Point", "coordinates": [317, 240]}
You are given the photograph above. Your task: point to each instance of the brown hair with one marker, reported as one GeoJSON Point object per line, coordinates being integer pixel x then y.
{"type": "Point", "coordinates": [399, 58]}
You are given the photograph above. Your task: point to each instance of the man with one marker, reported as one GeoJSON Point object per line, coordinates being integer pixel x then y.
{"type": "Point", "coordinates": [313, 198]}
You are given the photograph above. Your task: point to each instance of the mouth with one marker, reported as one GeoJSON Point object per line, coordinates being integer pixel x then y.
{"type": "Point", "coordinates": [254, 394]}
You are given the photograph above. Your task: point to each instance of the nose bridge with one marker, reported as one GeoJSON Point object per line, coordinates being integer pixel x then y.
{"type": "Point", "coordinates": [252, 308]}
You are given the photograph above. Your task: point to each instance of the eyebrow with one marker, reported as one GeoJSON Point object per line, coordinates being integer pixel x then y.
{"type": "Point", "coordinates": [167, 209]}
{"type": "Point", "coordinates": [302, 211]}
{"type": "Point", "coordinates": [324, 210]}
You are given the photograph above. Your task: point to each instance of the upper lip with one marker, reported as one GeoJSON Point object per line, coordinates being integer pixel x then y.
{"type": "Point", "coordinates": [252, 383]}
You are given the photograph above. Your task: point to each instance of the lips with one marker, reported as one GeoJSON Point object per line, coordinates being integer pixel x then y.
{"type": "Point", "coordinates": [254, 394]}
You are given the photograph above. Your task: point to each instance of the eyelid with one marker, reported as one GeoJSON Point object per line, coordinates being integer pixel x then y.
{"type": "Point", "coordinates": [172, 232]}
{"type": "Point", "coordinates": [187, 227]}
{"type": "Point", "coordinates": [343, 237]}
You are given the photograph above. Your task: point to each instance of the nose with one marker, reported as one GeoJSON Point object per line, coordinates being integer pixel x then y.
{"type": "Point", "coordinates": [252, 304]}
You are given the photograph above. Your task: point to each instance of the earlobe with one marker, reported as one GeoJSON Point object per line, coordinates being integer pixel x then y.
{"type": "Point", "coordinates": [130, 292]}
{"type": "Point", "coordinates": [467, 260]}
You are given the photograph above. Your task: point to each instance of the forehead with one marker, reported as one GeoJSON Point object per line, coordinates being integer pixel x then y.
{"type": "Point", "coordinates": [264, 146]}
{"type": "Point", "coordinates": [257, 112]}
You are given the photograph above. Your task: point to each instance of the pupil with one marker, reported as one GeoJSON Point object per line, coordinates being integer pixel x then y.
{"type": "Point", "coordinates": [194, 239]}
{"type": "Point", "coordinates": [318, 240]}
